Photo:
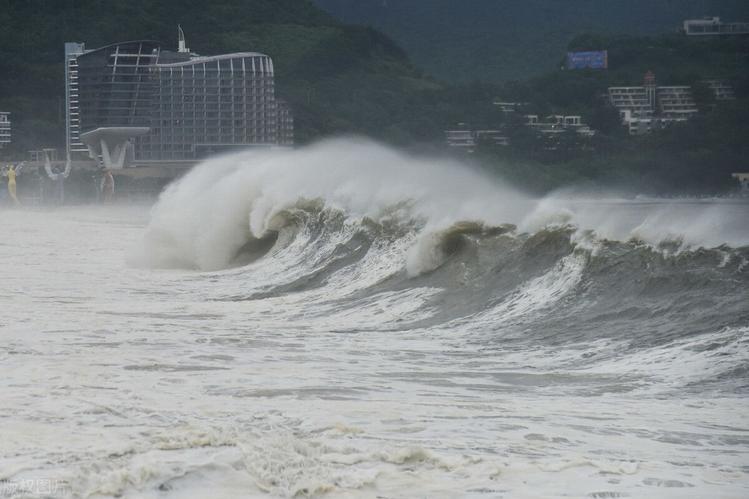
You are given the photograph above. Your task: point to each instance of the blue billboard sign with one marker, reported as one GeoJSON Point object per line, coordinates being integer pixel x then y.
{"type": "Point", "coordinates": [593, 60]}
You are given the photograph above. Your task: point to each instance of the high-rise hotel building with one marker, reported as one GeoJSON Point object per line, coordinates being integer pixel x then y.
{"type": "Point", "coordinates": [184, 107]}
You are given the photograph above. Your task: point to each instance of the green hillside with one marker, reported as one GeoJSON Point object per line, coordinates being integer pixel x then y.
{"type": "Point", "coordinates": [675, 59]}
{"type": "Point", "coordinates": [693, 157]}
{"type": "Point", "coordinates": [499, 40]}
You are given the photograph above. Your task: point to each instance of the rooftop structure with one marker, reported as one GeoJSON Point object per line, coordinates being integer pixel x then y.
{"type": "Point", "coordinates": [133, 102]}
{"type": "Point", "coordinates": [712, 26]}
{"type": "Point", "coordinates": [5, 129]}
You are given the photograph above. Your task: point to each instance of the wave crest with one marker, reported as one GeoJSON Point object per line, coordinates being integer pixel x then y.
{"type": "Point", "coordinates": [355, 227]}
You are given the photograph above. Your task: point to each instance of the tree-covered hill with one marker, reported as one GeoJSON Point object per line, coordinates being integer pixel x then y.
{"type": "Point", "coordinates": [697, 156]}
{"type": "Point", "coordinates": [675, 59]}
{"type": "Point", "coordinates": [499, 40]}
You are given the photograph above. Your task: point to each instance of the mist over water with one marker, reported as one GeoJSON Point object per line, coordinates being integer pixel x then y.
{"type": "Point", "coordinates": [346, 320]}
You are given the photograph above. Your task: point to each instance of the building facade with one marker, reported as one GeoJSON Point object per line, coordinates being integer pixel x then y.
{"type": "Point", "coordinates": [556, 124]}
{"type": "Point", "coordinates": [675, 103]}
{"type": "Point", "coordinates": [635, 108]}
{"type": "Point", "coordinates": [722, 90]}
{"type": "Point", "coordinates": [285, 123]}
{"type": "Point", "coordinates": [171, 106]}
{"type": "Point", "coordinates": [206, 105]}
{"type": "Point", "coordinates": [5, 129]}
{"type": "Point", "coordinates": [467, 140]}
{"type": "Point", "coordinates": [649, 107]}
{"type": "Point", "coordinates": [712, 26]}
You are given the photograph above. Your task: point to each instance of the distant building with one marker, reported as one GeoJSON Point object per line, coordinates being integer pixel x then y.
{"type": "Point", "coordinates": [643, 109]}
{"type": "Point", "coordinates": [556, 128]}
{"type": "Point", "coordinates": [556, 124]}
{"type": "Point", "coordinates": [712, 26]}
{"type": "Point", "coordinates": [5, 129]}
{"type": "Point", "coordinates": [676, 103]}
{"type": "Point", "coordinates": [635, 108]}
{"type": "Point", "coordinates": [496, 137]}
{"type": "Point", "coordinates": [136, 101]}
{"type": "Point", "coordinates": [467, 140]}
{"type": "Point", "coordinates": [722, 89]}
{"type": "Point", "coordinates": [461, 139]}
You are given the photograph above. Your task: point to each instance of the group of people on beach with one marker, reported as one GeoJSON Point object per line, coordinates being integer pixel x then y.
{"type": "Point", "coordinates": [105, 183]}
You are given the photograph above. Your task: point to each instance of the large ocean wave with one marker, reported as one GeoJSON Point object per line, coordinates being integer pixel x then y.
{"type": "Point", "coordinates": [348, 321]}
{"type": "Point", "coordinates": [351, 228]}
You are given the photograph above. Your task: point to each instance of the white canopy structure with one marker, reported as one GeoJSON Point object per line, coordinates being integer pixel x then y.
{"type": "Point", "coordinates": [111, 144]}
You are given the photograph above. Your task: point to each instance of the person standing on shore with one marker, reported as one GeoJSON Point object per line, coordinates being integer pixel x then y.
{"type": "Point", "coordinates": [107, 185]}
{"type": "Point", "coordinates": [11, 174]}
{"type": "Point", "coordinates": [58, 177]}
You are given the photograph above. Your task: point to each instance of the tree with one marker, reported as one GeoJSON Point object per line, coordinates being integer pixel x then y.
{"type": "Point", "coordinates": [605, 118]}
{"type": "Point", "coordinates": [703, 96]}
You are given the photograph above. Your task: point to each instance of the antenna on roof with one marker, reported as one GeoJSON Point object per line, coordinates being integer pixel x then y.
{"type": "Point", "coordinates": [181, 44]}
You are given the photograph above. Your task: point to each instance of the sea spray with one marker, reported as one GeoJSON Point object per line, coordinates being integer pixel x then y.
{"type": "Point", "coordinates": [204, 218]}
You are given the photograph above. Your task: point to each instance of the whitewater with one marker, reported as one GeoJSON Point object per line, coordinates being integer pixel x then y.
{"type": "Point", "coordinates": [345, 320]}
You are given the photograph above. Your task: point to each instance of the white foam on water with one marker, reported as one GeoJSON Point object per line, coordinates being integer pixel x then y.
{"type": "Point", "coordinates": [124, 381]}
{"type": "Point", "coordinates": [530, 298]}
{"type": "Point", "coordinates": [686, 361]}
{"type": "Point", "coordinates": [690, 223]}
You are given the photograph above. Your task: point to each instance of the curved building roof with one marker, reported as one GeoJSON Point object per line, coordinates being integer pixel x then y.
{"type": "Point", "coordinates": [202, 59]}
{"type": "Point", "coordinates": [155, 43]}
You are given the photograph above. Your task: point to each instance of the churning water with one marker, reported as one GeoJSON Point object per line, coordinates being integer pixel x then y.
{"type": "Point", "coordinates": [346, 321]}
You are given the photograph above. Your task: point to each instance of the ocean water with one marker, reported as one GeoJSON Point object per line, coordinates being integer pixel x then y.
{"type": "Point", "coordinates": [347, 321]}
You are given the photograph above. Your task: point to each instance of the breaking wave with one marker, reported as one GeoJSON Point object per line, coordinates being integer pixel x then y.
{"type": "Point", "coordinates": [352, 228]}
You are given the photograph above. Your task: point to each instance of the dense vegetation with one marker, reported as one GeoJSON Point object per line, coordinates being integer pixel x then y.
{"type": "Point", "coordinates": [501, 40]}
{"type": "Point", "coordinates": [343, 79]}
{"type": "Point", "coordinates": [695, 157]}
